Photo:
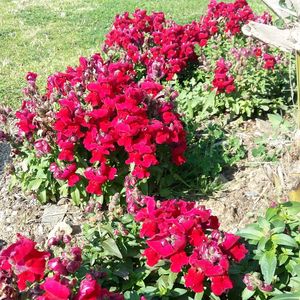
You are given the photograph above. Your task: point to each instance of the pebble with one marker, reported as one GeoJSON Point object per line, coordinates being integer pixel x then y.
{"type": "Point", "coordinates": [2, 216]}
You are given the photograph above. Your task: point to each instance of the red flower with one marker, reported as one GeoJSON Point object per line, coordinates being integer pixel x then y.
{"type": "Point", "coordinates": [26, 117]}
{"type": "Point", "coordinates": [30, 76]}
{"type": "Point", "coordinates": [220, 284]}
{"type": "Point", "coordinates": [97, 177]}
{"type": "Point", "coordinates": [152, 257]}
{"type": "Point", "coordinates": [56, 265]}
{"type": "Point", "coordinates": [148, 229]}
{"type": "Point", "coordinates": [270, 61]}
{"type": "Point", "coordinates": [175, 228]}
{"type": "Point", "coordinates": [27, 262]}
{"type": "Point", "coordinates": [42, 147]}
{"type": "Point", "coordinates": [89, 289]}
{"type": "Point", "coordinates": [167, 244]}
{"type": "Point", "coordinates": [54, 290]}
{"type": "Point", "coordinates": [69, 173]}
{"type": "Point", "coordinates": [178, 260]}
{"type": "Point", "coordinates": [236, 250]}
{"type": "Point", "coordinates": [197, 237]}
{"type": "Point", "coordinates": [258, 52]}
{"type": "Point", "coordinates": [194, 280]}
{"type": "Point", "coordinates": [223, 82]}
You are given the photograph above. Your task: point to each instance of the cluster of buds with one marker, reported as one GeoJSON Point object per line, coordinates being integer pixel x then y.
{"type": "Point", "coordinates": [8, 286]}
{"type": "Point", "coordinates": [253, 282]}
{"type": "Point", "coordinates": [60, 239]}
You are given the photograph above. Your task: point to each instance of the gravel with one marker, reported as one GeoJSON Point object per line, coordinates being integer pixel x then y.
{"type": "Point", "coordinates": [21, 212]}
{"type": "Point", "coordinates": [4, 155]}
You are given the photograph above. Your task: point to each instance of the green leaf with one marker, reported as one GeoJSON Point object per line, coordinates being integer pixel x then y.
{"type": "Point", "coordinates": [171, 280]}
{"type": "Point", "coordinates": [148, 291]}
{"type": "Point", "coordinates": [275, 119]}
{"type": "Point", "coordinates": [287, 296]}
{"type": "Point", "coordinates": [271, 212]}
{"type": "Point", "coordinates": [35, 184]}
{"type": "Point", "coordinates": [268, 263]}
{"type": "Point", "coordinates": [64, 190]}
{"type": "Point", "coordinates": [264, 224]}
{"type": "Point", "coordinates": [247, 294]}
{"type": "Point", "coordinates": [282, 259]}
{"type": "Point", "coordinates": [284, 240]}
{"type": "Point", "coordinates": [199, 296]}
{"type": "Point", "coordinates": [111, 248]}
{"type": "Point", "coordinates": [178, 292]}
{"type": "Point", "coordinates": [13, 182]}
{"type": "Point", "coordinates": [75, 195]}
{"type": "Point", "coordinates": [131, 295]}
{"type": "Point", "coordinates": [293, 208]}
{"type": "Point", "coordinates": [296, 270]}
{"type": "Point", "coordinates": [162, 284]}
{"type": "Point", "coordinates": [251, 232]}
{"type": "Point", "coordinates": [278, 226]}
{"type": "Point", "coordinates": [42, 196]}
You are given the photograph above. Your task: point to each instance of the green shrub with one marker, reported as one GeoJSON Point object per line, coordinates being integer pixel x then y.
{"type": "Point", "coordinates": [274, 256]}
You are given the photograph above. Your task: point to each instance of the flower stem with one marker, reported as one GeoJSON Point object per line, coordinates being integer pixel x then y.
{"type": "Point", "coordinates": [298, 86]}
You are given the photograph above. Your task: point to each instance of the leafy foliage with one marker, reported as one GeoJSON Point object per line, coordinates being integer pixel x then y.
{"type": "Point", "coordinates": [274, 255]}
{"type": "Point", "coordinates": [256, 88]}
{"type": "Point", "coordinates": [211, 151]}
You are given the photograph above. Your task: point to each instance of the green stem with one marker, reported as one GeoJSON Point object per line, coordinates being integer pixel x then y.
{"type": "Point", "coordinates": [298, 86]}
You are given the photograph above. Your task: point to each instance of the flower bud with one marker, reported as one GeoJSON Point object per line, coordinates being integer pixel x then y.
{"type": "Point", "coordinates": [55, 264]}
{"type": "Point", "coordinates": [67, 239]}
{"type": "Point", "coordinates": [52, 242]}
{"type": "Point", "coordinates": [266, 287]}
{"type": "Point", "coordinates": [73, 266]}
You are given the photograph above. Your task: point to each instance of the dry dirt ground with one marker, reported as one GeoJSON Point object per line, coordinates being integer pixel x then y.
{"type": "Point", "coordinates": [246, 194]}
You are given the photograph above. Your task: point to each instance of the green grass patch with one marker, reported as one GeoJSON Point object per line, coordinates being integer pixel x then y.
{"type": "Point", "coordinates": [46, 36]}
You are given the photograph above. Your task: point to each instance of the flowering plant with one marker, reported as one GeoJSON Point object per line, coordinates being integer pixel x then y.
{"type": "Point", "coordinates": [231, 65]}
{"type": "Point", "coordinates": [274, 254]}
{"type": "Point", "coordinates": [42, 275]}
{"type": "Point", "coordinates": [93, 121]}
{"type": "Point", "coordinates": [187, 236]}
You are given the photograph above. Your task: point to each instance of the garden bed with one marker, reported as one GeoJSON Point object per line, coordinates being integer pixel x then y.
{"type": "Point", "coordinates": [158, 168]}
{"type": "Point", "coordinates": [246, 191]}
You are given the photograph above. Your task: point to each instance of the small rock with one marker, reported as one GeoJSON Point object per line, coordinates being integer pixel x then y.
{"type": "Point", "coordinates": [54, 214]}
{"type": "Point", "coordinates": [8, 228]}
{"type": "Point", "coordinates": [2, 216]}
{"type": "Point", "coordinates": [251, 194]}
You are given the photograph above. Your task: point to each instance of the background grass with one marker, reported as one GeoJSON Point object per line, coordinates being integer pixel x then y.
{"type": "Point", "coordinates": [45, 36]}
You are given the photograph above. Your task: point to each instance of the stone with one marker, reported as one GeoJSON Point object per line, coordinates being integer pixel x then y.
{"type": "Point", "coordinates": [54, 214]}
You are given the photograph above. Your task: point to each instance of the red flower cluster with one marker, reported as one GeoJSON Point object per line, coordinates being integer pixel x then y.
{"type": "Point", "coordinates": [162, 46]}
{"type": "Point", "coordinates": [165, 48]}
{"type": "Point", "coordinates": [31, 269]}
{"type": "Point", "coordinates": [269, 61]}
{"type": "Point", "coordinates": [187, 236]}
{"type": "Point", "coordinates": [26, 118]}
{"type": "Point", "coordinates": [223, 82]}
{"type": "Point", "coordinates": [230, 16]}
{"type": "Point", "coordinates": [89, 289]}
{"type": "Point", "coordinates": [103, 111]}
